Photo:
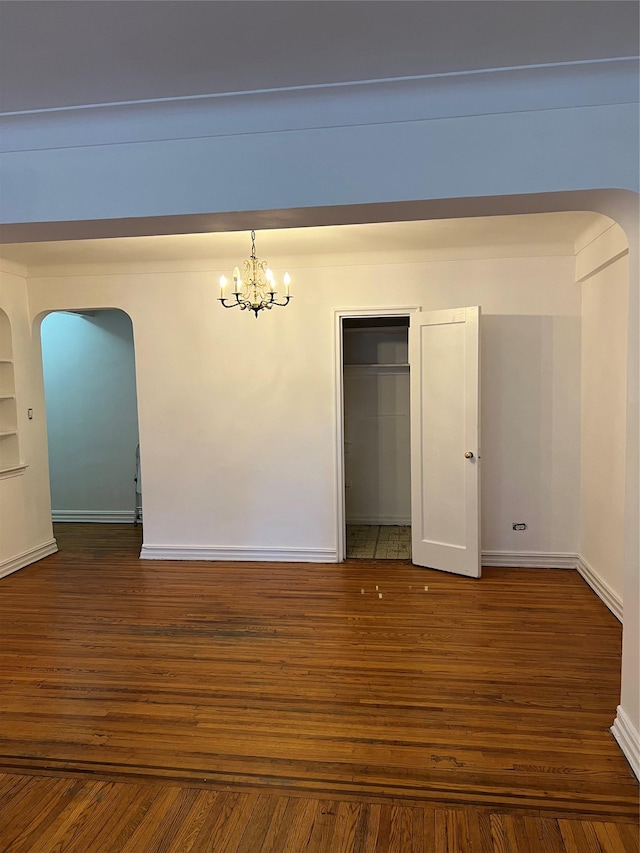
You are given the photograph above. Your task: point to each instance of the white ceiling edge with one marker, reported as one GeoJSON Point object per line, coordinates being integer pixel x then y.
{"type": "Point", "coordinates": [295, 264]}
{"type": "Point", "coordinates": [521, 235]}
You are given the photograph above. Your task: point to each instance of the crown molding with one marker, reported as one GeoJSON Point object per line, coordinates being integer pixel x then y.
{"type": "Point", "coordinates": [603, 249]}
{"type": "Point", "coordinates": [406, 99]}
{"type": "Point", "coordinates": [479, 72]}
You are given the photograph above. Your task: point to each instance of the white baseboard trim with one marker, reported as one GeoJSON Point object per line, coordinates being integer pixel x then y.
{"type": "Point", "coordinates": [28, 557]}
{"type": "Point", "coordinates": [387, 519]}
{"type": "Point", "coordinates": [273, 555]}
{"type": "Point", "coordinates": [601, 588]}
{"type": "Point", "coordinates": [550, 560]}
{"type": "Point", "coordinates": [628, 739]}
{"type": "Point", "coordinates": [530, 559]}
{"type": "Point", "coordinates": [96, 516]}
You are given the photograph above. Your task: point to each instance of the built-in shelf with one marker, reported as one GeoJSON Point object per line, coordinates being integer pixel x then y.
{"type": "Point", "coordinates": [10, 460]}
{"type": "Point", "coordinates": [376, 342]}
{"type": "Point", "coordinates": [377, 368]}
{"type": "Point", "coordinates": [13, 471]}
{"type": "Point", "coordinates": [376, 330]}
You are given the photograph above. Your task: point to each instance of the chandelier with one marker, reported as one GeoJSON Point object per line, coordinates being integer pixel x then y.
{"type": "Point", "coordinates": [257, 289]}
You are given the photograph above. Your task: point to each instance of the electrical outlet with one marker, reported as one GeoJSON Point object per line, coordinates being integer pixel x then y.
{"type": "Point", "coordinates": [519, 525]}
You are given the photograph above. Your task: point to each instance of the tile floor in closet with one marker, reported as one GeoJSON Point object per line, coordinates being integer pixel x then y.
{"type": "Point", "coordinates": [379, 542]}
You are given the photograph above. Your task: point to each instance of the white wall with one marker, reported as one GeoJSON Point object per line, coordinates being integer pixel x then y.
{"type": "Point", "coordinates": [92, 424]}
{"type": "Point", "coordinates": [237, 418]}
{"type": "Point", "coordinates": [25, 520]}
{"type": "Point", "coordinates": [530, 432]}
{"type": "Point", "coordinates": [603, 269]}
{"type": "Point", "coordinates": [377, 457]}
{"type": "Point", "coordinates": [626, 727]}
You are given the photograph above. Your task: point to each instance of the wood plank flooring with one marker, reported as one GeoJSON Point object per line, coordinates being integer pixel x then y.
{"type": "Point", "coordinates": [151, 706]}
{"type": "Point", "coordinates": [87, 816]}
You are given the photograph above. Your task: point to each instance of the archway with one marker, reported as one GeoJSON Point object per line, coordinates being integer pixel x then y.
{"type": "Point", "coordinates": [92, 421]}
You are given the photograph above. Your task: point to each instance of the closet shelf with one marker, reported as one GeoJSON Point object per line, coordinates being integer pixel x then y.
{"type": "Point", "coordinates": [6, 432]}
{"type": "Point", "coordinates": [381, 368]}
{"type": "Point", "coordinates": [7, 396]}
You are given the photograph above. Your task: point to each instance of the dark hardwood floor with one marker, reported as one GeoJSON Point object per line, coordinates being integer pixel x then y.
{"type": "Point", "coordinates": [367, 706]}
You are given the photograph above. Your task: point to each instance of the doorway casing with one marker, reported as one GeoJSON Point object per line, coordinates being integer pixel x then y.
{"type": "Point", "coordinates": [340, 314]}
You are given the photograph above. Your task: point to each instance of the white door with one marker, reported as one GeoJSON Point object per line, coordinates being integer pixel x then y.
{"type": "Point", "coordinates": [445, 482]}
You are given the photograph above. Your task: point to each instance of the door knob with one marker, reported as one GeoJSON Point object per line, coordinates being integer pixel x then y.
{"type": "Point", "coordinates": [468, 455]}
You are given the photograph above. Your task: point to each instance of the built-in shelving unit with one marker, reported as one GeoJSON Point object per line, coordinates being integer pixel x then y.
{"type": "Point", "coordinates": [9, 444]}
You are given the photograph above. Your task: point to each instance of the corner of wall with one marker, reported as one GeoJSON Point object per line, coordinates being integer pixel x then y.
{"type": "Point", "coordinates": [602, 589]}
{"type": "Point", "coordinates": [628, 739]}
{"type": "Point", "coordinates": [21, 561]}
{"type": "Point", "coordinates": [27, 533]}
{"type": "Point", "coordinates": [600, 245]}
{"type": "Point", "coordinates": [12, 268]}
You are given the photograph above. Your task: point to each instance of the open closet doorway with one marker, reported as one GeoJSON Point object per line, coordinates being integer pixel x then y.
{"type": "Point", "coordinates": [92, 418]}
{"type": "Point", "coordinates": [443, 435]}
{"type": "Point", "coordinates": [377, 438]}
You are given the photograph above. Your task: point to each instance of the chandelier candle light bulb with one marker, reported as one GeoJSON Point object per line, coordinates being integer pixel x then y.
{"type": "Point", "coordinates": [258, 291]}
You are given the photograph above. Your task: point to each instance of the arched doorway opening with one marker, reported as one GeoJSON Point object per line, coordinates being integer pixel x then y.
{"type": "Point", "coordinates": [92, 418]}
